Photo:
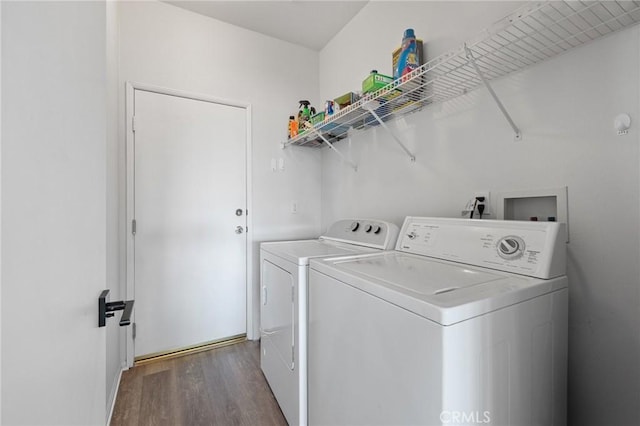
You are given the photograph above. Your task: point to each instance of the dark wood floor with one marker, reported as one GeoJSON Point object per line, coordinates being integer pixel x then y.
{"type": "Point", "coordinates": [222, 386]}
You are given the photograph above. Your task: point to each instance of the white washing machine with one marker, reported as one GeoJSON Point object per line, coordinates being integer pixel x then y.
{"type": "Point", "coordinates": [284, 268]}
{"type": "Point", "coordinates": [464, 323]}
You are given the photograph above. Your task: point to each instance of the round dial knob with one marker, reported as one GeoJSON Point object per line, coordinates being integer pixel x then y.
{"type": "Point", "coordinates": [511, 247]}
{"type": "Point", "coordinates": [377, 229]}
{"type": "Point", "coordinates": [355, 226]}
{"type": "Point", "coordinates": [368, 228]}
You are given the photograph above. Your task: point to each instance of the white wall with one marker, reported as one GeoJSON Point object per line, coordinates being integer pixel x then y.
{"type": "Point", "coordinates": [0, 213]}
{"type": "Point", "coordinates": [165, 46]}
{"type": "Point", "coordinates": [565, 108]}
{"type": "Point", "coordinates": [53, 212]}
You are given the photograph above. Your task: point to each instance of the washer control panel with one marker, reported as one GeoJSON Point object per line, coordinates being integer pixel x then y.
{"type": "Point", "coordinates": [529, 248]}
{"type": "Point", "coordinates": [365, 232]}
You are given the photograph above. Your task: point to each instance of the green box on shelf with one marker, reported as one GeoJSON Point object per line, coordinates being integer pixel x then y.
{"type": "Point", "coordinates": [317, 118]}
{"type": "Point", "coordinates": [346, 99]}
{"type": "Point", "coordinates": [375, 81]}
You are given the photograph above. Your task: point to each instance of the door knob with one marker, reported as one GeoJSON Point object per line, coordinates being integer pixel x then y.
{"type": "Point", "coordinates": [239, 229]}
{"type": "Point", "coordinates": [106, 309]}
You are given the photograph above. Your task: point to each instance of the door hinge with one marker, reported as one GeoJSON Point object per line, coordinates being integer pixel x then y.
{"type": "Point", "coordinates": [133, 124]}
{"type": "Point", "coordinates": [134, 227]}
{"type": "Point", "coordinates": [133, 330]}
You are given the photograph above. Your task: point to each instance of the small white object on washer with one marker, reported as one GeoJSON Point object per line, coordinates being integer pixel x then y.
{"type": "Point", "coordinates": [284, 268]}
{"type": "Point", "coordinates": [465, 322]}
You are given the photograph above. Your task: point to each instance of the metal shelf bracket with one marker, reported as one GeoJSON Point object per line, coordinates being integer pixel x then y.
{"type": "Point", "coordinates": [330, 145]}
{"type": "Point", "coordinates": [371, 106]}
{"type": "Point", "coordinates": [472, 61]}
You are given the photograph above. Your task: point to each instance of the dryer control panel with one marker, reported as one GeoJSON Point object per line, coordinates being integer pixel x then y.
{"type": "Point", "coordinates": [535, 249]}
{"type": "Point", "coordinates": [365, 232]}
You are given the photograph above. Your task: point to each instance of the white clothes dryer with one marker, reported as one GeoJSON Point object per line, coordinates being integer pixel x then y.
{"type": "Point", "coordinates": [284, 268]}
{"type": "Point", "coordinates": [464, 323]}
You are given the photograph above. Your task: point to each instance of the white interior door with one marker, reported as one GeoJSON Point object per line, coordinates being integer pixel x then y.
{"type": "Point", "coordinates": [54, 209]}
{"type": "Point", "coordinates": [190, 221]}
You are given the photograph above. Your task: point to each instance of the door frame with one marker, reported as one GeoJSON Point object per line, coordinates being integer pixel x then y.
{"type": "Point", "coordinates": [131, 87]}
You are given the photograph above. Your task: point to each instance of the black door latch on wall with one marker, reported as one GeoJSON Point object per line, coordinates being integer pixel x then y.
{"type": "Point", "coordinates": [106, 309]}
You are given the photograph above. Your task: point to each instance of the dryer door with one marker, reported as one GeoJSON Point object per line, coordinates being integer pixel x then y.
{"type": "Point", "coordinates": [277, 311]}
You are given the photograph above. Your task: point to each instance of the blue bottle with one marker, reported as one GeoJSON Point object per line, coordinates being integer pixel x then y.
{"type": "Point", "coordinates": [408, 60]}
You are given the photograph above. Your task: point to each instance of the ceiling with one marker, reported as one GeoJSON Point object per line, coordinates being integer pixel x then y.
{"type": "Point", "coordinates": [307, 23]}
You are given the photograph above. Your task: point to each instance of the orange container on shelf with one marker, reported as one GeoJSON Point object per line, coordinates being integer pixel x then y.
{"type": "Point", "coordinates": [293, 127]}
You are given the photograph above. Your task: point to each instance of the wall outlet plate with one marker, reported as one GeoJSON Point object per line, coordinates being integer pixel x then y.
{"type": "Point", "coordinates": [486, 202]}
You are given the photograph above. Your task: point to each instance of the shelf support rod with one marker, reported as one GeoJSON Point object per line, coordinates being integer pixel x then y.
{"type": "Point", "coordinates": [393, 135]}
{"type": "Point", "coordinates": [472, 60]}
{"type": "Point", "coordinates": [354, 165]}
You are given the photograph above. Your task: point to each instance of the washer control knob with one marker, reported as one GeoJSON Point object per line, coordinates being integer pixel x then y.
{"type": "Point", "coordinates": [412, 235]}
{"type": "Point", "coordinates": [377, 229]}
{"type": "Point", "coordinates": [368, 228]}
{"type": "Point", "coordinates": [355, 226]}
{"type": "Point", "coordinates": [511, 247]}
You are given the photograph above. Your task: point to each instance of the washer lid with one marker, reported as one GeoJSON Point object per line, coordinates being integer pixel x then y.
{"type": "Point", "coordinates": [416, 274]}
{"type": "Point", "coordinates": [299, 252]}
{"type": "Point", "coordinates": [442, 291]}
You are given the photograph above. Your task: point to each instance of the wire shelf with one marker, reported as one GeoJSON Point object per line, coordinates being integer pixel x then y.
{"type": "Point", "coordinates": [533, 33]}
